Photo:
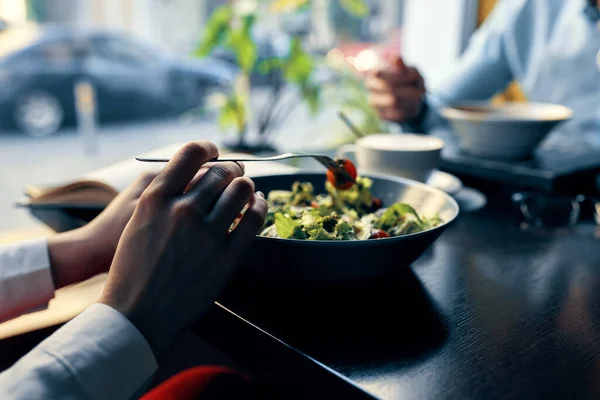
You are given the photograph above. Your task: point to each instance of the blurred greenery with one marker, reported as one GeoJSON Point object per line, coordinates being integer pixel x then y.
{"type": "Point", "coordinates": [217, 28]}
{"type": "Point", "coordinates": [244, 48]}
{"type": "Point", "coordinates": [231, 29]}
{"type": "Point", "coordinates": [350, 95]}
{"type": "Point", "coordinates": [280, 6]}
{"type": "Point", "coordinates": [233, 112]}
{"type": "Point", "coordinates": [311, 94]}
{"type": "Point", "coordinates": [357, 8]}
{"type": "Point", "coordinates": [298, 66]}
{"type": "Point", "coordinates": [269, 65]}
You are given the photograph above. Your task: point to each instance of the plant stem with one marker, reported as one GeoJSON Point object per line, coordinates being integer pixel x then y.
{"type": "Point", "coordinates": [268, 111]}
{"type": "Point", "coordinates": [274, 89]}
{"type": "Point", "coordinates": [283, 112]}
{"type": "Point", "coordinates": [242, 138]}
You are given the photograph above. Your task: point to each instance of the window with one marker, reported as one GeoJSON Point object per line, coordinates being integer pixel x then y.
{"type": "Point", "coordinates": [138, 55]}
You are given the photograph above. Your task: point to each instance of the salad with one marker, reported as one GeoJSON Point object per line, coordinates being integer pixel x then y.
{"type": "Point", "coordinates": [347, 212]}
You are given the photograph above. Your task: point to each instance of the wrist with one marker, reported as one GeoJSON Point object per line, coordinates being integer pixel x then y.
{"type": "Point", "coordinates": [99, 251]}
{"type": "Point", "coordinates": [415, 124]}
{"type": "Point", "coordinates": [159, 335]}
{"type": "Point", "coordinates": [72, 257]}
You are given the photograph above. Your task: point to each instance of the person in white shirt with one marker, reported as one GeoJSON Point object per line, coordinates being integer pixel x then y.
{"type": "Point", "coordinates": [30, 271]}
{"type": "Point", "coordinates": [174, 256]}
{"type": "Point", "coordinates": [550, 47]}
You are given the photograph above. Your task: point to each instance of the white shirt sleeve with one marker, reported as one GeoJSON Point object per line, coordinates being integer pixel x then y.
{"type": "Point", "coordinates": [484, 68]}
{"type": "Point", "coordinates": [25, 278]}
{"type": "Point", "coordinates": [97, 355]}
{"type": "Point", "coordinates": [488, 64]}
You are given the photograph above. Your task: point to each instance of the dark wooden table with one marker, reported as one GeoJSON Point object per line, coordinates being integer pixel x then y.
{"type": "Point", "coordinates": [491, 311]}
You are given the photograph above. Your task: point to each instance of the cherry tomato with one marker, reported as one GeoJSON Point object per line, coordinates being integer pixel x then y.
{"type": "Point", "coordinates": [379, 235]}
{"type": "Point", "coordinates": [339, 181]}
{"type": "Point", "coordinates": [377, 203]}
{"type": "Point", "coordinates": [314, 204]}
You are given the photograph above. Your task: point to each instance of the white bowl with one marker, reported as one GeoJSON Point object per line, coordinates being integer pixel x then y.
{"type": "Point", "coordinates": [408, 155]}
{"type": "Point", "coordinates": [509, 131]}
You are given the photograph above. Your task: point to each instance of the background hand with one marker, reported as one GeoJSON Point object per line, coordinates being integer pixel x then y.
{"type": "Point", "coordinates": [177, 252]}
{"type": "Point", "coordinates": [82, 253]}
{"type": "Point", "coordinates": [396, 92]}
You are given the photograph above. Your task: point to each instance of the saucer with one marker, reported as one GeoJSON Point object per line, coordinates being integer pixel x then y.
{"type": "Point", "coordinates": [445, 182]}
{"type": "Point", "coordinates": [470, 200]}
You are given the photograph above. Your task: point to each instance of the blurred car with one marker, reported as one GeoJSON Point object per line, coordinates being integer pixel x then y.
{"type": "Point", "coordinates": [41, 65]}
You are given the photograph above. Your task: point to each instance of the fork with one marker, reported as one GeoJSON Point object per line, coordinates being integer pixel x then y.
{"type": "Point", "coordinates": [326, 161]}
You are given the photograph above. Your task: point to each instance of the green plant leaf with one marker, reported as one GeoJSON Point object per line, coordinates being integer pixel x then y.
{"type": "Point", "coordinates": [248, 21]}
{"type": "Point", "coordinates": [356, 8]}
{"type": "Point", "coordinates": [244, 48]}
{"type": "Point", "coordinates": [281, 6]}
{"type": "Point", "coordinates": [227, 118]}
{"type": "Point", "coordinates": [233, 112]}
{"type": "Point", "coordinates": [217, 29]}
{"type": "Point", "coordinates": [350, 93]}
{"type": "Point", "coordinates": [243, 45]}
{"type": "Point", "coordinates": [299, 64]}
{"type": "Point", "coordinates": [311, 95]}
{"type": "Point", "coordinates": [270, 64]}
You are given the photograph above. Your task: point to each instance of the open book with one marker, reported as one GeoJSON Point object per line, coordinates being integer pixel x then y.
{"type": "Point", "coordinates": [73, 204]}
{"type": "Point", "coordinates": [98, 188]}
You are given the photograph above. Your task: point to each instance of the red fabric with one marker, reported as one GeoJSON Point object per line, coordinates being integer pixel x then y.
{"type": "Point", "coordinates": [207, 382]}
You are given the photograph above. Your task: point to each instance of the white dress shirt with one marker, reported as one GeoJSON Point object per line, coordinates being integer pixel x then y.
{"type": "Point", "coordinates": [25, 279]}
{"type": "Point", "coordinates": [97, 355]}
{"type": "Point", "coordinates": [551, 47]}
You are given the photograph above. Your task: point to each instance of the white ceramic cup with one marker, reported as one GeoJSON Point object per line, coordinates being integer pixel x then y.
{"type": "Point", "coordinates": [407, 155]}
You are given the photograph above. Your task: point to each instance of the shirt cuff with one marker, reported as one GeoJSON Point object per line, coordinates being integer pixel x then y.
{"type": "Point", "coordinates": [429, 119]}
{"type": "Point", "coordinates": [97, 355]}
{"type": "Point", "coordinates": [107, 355]}
{"type": "Point", "coordinates": [25, 278]}
{"type": "Point", "coordinates": [111, 358]}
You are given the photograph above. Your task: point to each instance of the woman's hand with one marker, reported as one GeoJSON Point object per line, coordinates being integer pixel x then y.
{"type": "Point", "coordinates": [177, 252]}
{"type": "Point", "coordinates": [82, 253]}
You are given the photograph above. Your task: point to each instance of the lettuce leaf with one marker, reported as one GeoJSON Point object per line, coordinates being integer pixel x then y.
{"type": "Point", "coordinates": [328, 223]}
{"type": "Point", "coordinates": [395, 215]}
{"type": "Point", "coordinates": [331, 229]}
{"type": "Point", "coordinates": [341, 215]}
{"type": "Point", "coordinates": [279, 197]}
{"type": "Point", "coordinates": [319, 234]}
{"type": "Point", "coordinates": [343, 231]}
{"type": "Point", "coordinates": [407, 227]}
{"type": "Point", "coordinates": [269, 219]}
{"type": "Point", "coordinates": [302, 193]}
{"type": "Point", "coordinates": [358, 196]}
{"type": "Point", "coordinates": [320, 211]}
{"type": "Point", "coordinates": [288, 228]}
